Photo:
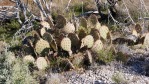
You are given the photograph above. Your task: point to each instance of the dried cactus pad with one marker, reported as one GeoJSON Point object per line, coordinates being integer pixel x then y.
{"type": "Point", "coordinates": [146, 41]}
{"type": "Point", "coordinates": [29, 59]}
{"type": "Point", "coordinates": [98, 45]}
{"type": "Point", "coordinates": [45, 24]}
{"type": "Point", "coordinates": [66, 44]}
{"type": "Point", "coordinates": [92, 20]}
{"type": "Point", "coordinates": [41, 63]}
{"type": "Point", "coordinates": [87, 41]}
{"type": "Point", "coordinates": [41, 45]}
{"type": "Point", "coordinates": [103, 31]}
{"type": "Point", "coordinates": [83, 22]}
{"type": "Point", "coordinates": [60, 21]}
{"type": "Point", "coordinates": [69, 28]}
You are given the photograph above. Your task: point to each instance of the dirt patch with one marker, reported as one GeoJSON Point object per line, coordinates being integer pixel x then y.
{"type": "Point", "coordinates": [6, 3]}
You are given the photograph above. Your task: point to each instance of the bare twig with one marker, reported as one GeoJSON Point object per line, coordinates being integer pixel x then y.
{"type": "Point", "coordinates": [68, 5]}
{"type": "Point", "coordinates": [127, 10]}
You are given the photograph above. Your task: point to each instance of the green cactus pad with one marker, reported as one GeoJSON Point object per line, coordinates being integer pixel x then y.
{"type": "Point", "coordinates": [98, 45]}
{"type": "Point", "coordinates": [35, 34]}
{"type": "Point", "coordinates": [95, 34]}
{"type": "Point", "coordinates": [92, 21]}
{"type": "Point", "coordinates": [41, 45]}
{"type": "Point", "coordinates": [29, 59]}
{"type": "Point", "coordinates": [75, 41]}
{"type": "Point", "coordinates": [87, 41]}
{"type": "Point", "coordinates": [97, 26]}
{"type": "Point", "coordinates": [103, 32]}
{"type": "Point", "coordinates": [48, 37]}
{"type": "Point", "coordinates": [41, 63]}
{"type": "Point", "coordinates": [45, 24]}
{"type": "Point", "coordinates": [66, 44]}
{"type": "Point", "coordinates": [60, 21]}
{"type": "Point", "coordinates": [42, 31]}
{"type": "Point", "coordinates": [82, 32]}
{"type": "Point", "coordinates": [69, 28]}
{"type": "Point", "coordinates": [54, 46]}
{"type": "Point", "coordinates": [83, 22]}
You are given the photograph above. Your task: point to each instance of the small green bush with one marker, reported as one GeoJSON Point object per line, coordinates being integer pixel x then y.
{"type": "Point", "coordinates": [14, 71]}
{"type": "Point", "coordinates": [105, 56]}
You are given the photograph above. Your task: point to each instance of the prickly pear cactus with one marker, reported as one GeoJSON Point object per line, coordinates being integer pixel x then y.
{"type": "Point", "coordinates": [41, 45]}
{"type": "Point", "coordinates": [48, 37]}
{"type": "Point", "coordinates": [98, 45]}
{"type": "Point", "coordinates": [103, 32]}
{"type": "Point", "coordinates": [95, 34]}
{"type": "Point", "coordinates": [92, 21]}
{"type": "Point", "coordinates": [35, 35]}
{"type": "Point", "coordinates": [60, 21]}
{"type": "Point", "coordinates": [82, 32]}
{"type": "Point", "coordinates": [75, 41]}
{"type": "Point", "coordinates": [41, 63]}
{"type": "Point", "coordinates": [45, 24]}
{"type": "Point", "coordinates": [66, 45]}
{"type": "Point", "coordinates": [87, 41]}
{"type": "Point", "coordinates": [83, 22]}
{"type": "Point", "coordinates": [42, 31]}
{"type": "Point", "coordinates": [97, 26]}
{"type": "Point", "coordinates": [69, 28]}
{"type": "Point", "coordinates": [29, 59]}
{"type": "Point", "coordinates": [53, 45]}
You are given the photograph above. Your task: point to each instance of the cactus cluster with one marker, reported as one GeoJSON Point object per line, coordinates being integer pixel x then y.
{"type": "Point", "coordinates": [64, 40]}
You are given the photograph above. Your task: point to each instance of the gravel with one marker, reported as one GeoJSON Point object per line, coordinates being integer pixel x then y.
{"type": "Point", "coordinates": [115, 72]}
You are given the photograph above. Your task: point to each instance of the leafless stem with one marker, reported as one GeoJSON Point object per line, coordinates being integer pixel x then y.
{"type": "Point", "coordinates": [127, 10]}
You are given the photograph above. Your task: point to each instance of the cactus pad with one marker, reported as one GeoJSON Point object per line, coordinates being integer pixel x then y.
{"type": "Point", "coordinates": [95, 34]}
{"type": "Point", "coordinates": [97, 26]}
{"type": "Point", "coordinates": [53, 44]}
{"type": "Point", "coordinates": [69, 28]}
{"type": "Point", "coordinates": [29, 59]}
{"type": "Point", "coordinates": [41, 63]}
{"type": "Point", "coordinates": [98, 45]}
{"type": "Point", "coordinates": [66, 44]}
{"type": "Point", "coordinates": [75, 41]}
{"type": "Point", "coordinates": [60, 21]}
{"type": "Point", "coordinates": [103, 32]}
{"type": "Point", "coordinates": [41, 45]}
{"type": "Point", "coordinates": [82, 32]}
{"type": "Point", "coordinates": [45, 24]}
{"type": "Point", "coordinates": [92, 21]}
{"type": "Point", "coordinates": [42, 31]}
{"type": "Point", "coordinates": [87, 41]}
{"type": "Point", "coordinates": [48, 37]}
{"type": "Point", "coordinates": [83, 22]}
